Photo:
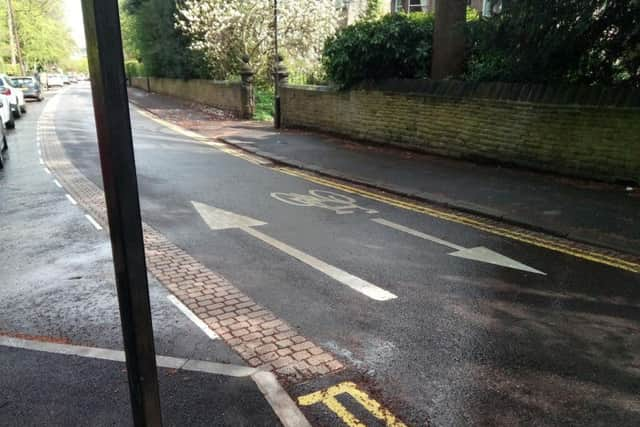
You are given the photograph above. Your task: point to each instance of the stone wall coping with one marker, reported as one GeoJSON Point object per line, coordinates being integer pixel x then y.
{"type": "Point", "coordinates": [588, 96]}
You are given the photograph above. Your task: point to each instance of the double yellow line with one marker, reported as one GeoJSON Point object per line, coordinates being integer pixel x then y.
{"type": "Point", "coordinates": [510, 233]}
{"type": "Point", "coordinates": [478, 224]}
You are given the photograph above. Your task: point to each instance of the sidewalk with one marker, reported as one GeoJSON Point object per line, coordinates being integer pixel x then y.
{"type": "Point", "coordinates": [57, 289]}
{"type": "Point", "coordinates": [96, 390]}
{"type": "Point", "coordinates": [594, 213]}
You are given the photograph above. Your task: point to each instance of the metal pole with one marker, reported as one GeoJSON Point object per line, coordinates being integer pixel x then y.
{"type": "Point", "coordinates": [113, 126]}
{"type": "Point", "coordinates": [276, 77]}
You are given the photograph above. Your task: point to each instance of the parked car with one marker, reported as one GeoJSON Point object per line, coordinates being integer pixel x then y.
{"type": "Point", "coordinates": [16, 97]}
{"type": "Point", "coordinates": [6, 115]}
{"type": "Point", "coordinates": [30, 87]}
{"type": "Point", "coordinates": [65, 79]}
{"type": "Point", "coordinates": [3, 144]}
{"type": "Point", "coordinates": [55, 80]}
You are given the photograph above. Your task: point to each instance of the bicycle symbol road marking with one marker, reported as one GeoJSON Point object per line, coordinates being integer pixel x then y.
{"type": "Point", "coordinates": [339, 203]}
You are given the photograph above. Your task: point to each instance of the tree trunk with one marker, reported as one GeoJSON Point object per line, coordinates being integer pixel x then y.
{"type": "Point", "coordinates": [14, 38]}
{"type": "Point", "coordinates": [12, 41]}
{"type": "Point", "coordinates": [448, 39]}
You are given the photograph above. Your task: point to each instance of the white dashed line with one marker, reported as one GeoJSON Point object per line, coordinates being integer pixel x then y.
{"type": "Point", "coordinates": [57, 183]}
{"type": "Point", "coordinates": [41, 161]}
{"type": "Point", "coordinates": [47, 171]}
{"type": "Point", "coordinates": [191, 315]}
{"type": "Point", "coordinates": [93, 222]}
{"type": "Point", "coordinates": [71, 199]}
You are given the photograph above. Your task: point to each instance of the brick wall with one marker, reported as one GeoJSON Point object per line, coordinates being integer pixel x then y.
{"type": "Point", "coordinates": [221, 94]}
{"type": "Point", "coordinates": [525, 125]}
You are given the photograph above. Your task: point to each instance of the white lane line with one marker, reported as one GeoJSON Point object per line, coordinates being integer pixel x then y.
{"type": "Point", "coordinates": [118, 356]}
{"type": "Point", "coordinates": [417, 233]}
{"type": "Point", "coordinates": [93, 222]}
{"type": "Point", "coordinates": [369, 289]}
{"type": "Point", "coordinates": [41, 161]}
{"type": "Point", "coordinates": [47, 171]}
{"type": "Point", "coordinates": [57, 183]}
{"type": "Point", "coordinates": [71, 199]}
{"type": "Point", "coordinates": [479, 253]}
{"type": "Point", "coordinates": [39, 152]}
{"type": "Point", "coordinates": [192, 316]}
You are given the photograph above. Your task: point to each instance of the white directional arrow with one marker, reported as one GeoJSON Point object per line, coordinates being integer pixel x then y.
{"type": "Point", "coordinates": [218, 219]}
{"type": "Point", "coordinates": [479, 253]}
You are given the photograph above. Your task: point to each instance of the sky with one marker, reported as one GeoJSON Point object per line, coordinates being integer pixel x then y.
{"type": "Point", "coordinates": [73, 18]}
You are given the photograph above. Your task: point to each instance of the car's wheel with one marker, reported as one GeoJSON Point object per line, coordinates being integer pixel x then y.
{"type": "Point", "coordinates": [23, 109]}
{"type": "Point", "coordinates": [11, 124]}
{"type": "Point", "coordinates": [5, 146]}
{"type": "Point", "coordinates": [16, 113]}
{"type": "Point", "coordinates": [1, 160]}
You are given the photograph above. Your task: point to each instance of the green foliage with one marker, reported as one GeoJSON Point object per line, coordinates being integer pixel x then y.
{"type": "Point", "coordinates": [79, 65]}
{"type": "Point", "coordinates": [472, 14]}
{"type": "Point", "coordinates": [264, 104]}
{"type": "Point", "coordinates": [134, 68]}
{"type": "Point", "coordinates": [372, 10]}
{"type": "Point", "coordinates": [44, 38]}
{"type": "Point", "coordinates": [398, 45]}
{"type": "Point", "coordinates": [151, 37]}
{"type": "Point", "coordinates": [558, 41]}
{"type": "Point", "coordinates": [11, 70]}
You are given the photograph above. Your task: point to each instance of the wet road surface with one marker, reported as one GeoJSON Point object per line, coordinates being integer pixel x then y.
{"type": "Point", "coordinates": [462, 342]}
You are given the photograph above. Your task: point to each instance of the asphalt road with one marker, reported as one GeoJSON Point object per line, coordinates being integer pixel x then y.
{"type": "Point", "coordinates": [464, 342]}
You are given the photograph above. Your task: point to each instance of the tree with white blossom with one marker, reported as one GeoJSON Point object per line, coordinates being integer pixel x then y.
{"type": "Point", "coordinates": [224, 30]}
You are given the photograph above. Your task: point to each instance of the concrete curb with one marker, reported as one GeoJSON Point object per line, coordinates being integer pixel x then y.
{"type": "Point", "coordinates": [284, 407]}
{"type": "Point", "coordinates": [281, 403]}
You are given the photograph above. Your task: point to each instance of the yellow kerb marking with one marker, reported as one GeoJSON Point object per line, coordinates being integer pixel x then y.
{"type": "Point", "coordinates": [447, 216]}
{"type": "Point", "coordinates": [328, 398]}
{"type": "Point", "coordinates": [474, 223]}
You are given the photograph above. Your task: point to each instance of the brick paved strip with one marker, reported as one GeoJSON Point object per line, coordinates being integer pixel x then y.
{"type": "Point", "coordinates": [254, 332]}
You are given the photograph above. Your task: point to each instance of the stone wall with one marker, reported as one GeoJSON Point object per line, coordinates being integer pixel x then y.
{"type": "Point", "coordinates": [220, 94]}
{"type": "Point", "coordinates": [586, 132]}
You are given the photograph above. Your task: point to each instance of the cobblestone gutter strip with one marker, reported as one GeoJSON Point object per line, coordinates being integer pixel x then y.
{"type": "Point", "coordinates": [254, 332]}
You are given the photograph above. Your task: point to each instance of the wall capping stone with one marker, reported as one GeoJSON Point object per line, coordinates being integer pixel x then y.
{"type": "Point", "coordinates": [599, 96]}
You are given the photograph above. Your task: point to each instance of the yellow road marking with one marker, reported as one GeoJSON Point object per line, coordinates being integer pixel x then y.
{"type": "Point", "coordinates": [471, 222]}
{"type": "Point", "coordinates": [328, 398]}
{"type": "Point", "coordinates": [478, 224]}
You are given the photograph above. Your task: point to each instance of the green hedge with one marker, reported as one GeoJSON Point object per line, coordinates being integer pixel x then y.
{"type": "Point", "coordinates": [530, 41]}
{"type": "Point", "coordinates": [398, 45]}
{"type": "Point", "coordinates": [558, 41]}
{"type": "Point", "coordinates": [134, 68]}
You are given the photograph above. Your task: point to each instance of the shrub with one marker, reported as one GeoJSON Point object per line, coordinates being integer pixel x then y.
{"type": "Point", "coordinates": [398, 45]}
{"type": "Point", "coordinates": [558, 41]}
{"type": "Point", "coordinates": [264, 104]}
{"type": "Point", "coordinates": [134, 68]}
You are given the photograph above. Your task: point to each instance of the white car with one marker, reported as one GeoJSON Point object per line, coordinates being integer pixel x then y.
{"type": "Point", "coordinates": [6, 116]}
{"type": "Point", "coordinates": [55, 80]}
{"type": "Point", "coordinates": [3, 143]}
{"type": "Point", "coordinates": [16, 97]}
